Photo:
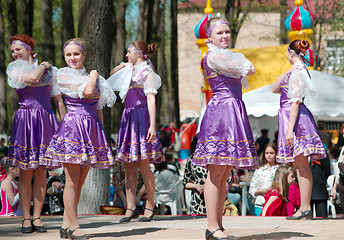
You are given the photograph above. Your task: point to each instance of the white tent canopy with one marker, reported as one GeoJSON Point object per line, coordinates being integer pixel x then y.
{"type": "Point", "coordinates": [262, 105]}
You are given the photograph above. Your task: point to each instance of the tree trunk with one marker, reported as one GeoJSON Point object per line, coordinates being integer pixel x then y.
{"type": "Point", "coordinates": [27, 11]}
{"type": "Point", "coordinates": [48, 44]}
{"type": "Point", "coordinates": [12, 105]}
{"type": "Point", "coordinates": [3, 115]}
{"type": "Point", "coordinates": [174, 59]}
{"type": "Point", "coordinates": [141, 20]}
{"type": "Point", "coordinates": [165, 102]}
{"type": "Point", "coordinates": [12, 17]}
{"type": "Point", "coordinates": [67, 20]}
{"type": "Point", "coordinates": [119, 50]}
{"type": "Point", "coordinates": [151, 23]}
{"type": "Point", "coordinates": [236, 12]}
{"type": "Point", "coordinates": [284, 15]}
{"type": "Point", "coordinates": [95, 26]}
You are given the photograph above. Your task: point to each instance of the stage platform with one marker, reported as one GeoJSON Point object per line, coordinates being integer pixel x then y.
{"type": "Point", "coordinates": [104, 227]}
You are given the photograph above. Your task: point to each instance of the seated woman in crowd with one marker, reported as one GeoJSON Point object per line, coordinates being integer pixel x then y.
{"type": "Point", "coordinates": [262, 178]}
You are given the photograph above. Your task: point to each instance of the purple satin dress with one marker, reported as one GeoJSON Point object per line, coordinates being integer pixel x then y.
{"type": "Point", "coordinates": [225, 136]}
{"type": "Point", "coordinates": [306, 135]}
{"type": "Point", "coordinates": [132, 145]}
{"type": "Point", "coordinates": [80, 138]}
{"type": "Point", "coordinates": [33, 127]}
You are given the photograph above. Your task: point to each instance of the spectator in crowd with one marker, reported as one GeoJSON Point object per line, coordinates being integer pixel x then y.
{"type": "Point", "coordinates": [164, 139]}
{"type": "Point", "coordinates": [235, 189]}
{"type": "Point", "coordinates": [194, 180]}
{"type": "Point", "coordinates": [320, 171]}
{"type": "Point", "coordinates": [171, 131]}
{"type": "Point", "coordinates": [276, 199]}
{"type": "Point", "coordinates": [262, 141]}
{"type": "Point", "coordinates": [262, 179]}
{"type": "Point", "coordinates": [165, 180]}
{"type": "Point", "coordinates": [333, 154]}
{"type": "Point", "coordinates": [338, 185]}
{"type": "Point", "coordinates": [55, 188]}
{"type": "Point", "coordinates": [325, 137]}
{"type": "Point", "coordinates": [118, 182]}
{"type": "Point", "coordinates": [9, 190]}
{"type": "Point", "coordinates": [3, 148]}
{"type": "Point", "coordinates": [276, 137]}
{"type": "Point", "coordinates": [340, 142]}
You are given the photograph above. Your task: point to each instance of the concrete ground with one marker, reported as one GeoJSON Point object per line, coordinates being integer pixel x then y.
{"type": "Point", "coordinates": [105, 227]}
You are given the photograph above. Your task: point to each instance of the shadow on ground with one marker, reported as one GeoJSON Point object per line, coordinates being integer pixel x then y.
{"type": "Point", "coordinates": [276, 236]}
{"type": "Point", "coordinates": [133, 232]}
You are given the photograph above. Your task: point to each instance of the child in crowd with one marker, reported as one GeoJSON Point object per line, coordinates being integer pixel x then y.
{"type": "Point", "coordinates": [9, 190]}
{"type": "Point", "coordinates": [276, 199]}
{"type": "Point", "coordinates": [262, 178]}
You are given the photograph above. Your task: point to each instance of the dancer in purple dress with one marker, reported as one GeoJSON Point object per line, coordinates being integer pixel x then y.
{"type": "Point", "coordinates": [298, 137]}
{"type": "Point", "coordinates": [33, 126]}
{"type": "Point", "coordinates": [138, 144]}
{"type": "Point", "coordinates": [225, 138]}
{"type": "Point", "coordinates": [79, 143]}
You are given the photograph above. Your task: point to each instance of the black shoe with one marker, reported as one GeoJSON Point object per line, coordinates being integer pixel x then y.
{"type": "Point", "coordinates": [128, 219]}
{"type": "Point", "coordinates": [147, 219]}
{"type": "Point", "coordinates": [64, 233]}
{"type": "Point", "coordinates": [305, 215]}
{"type": "Point", "coordinates": [27, 229]}
{"type": "Point", "coordinates": [210, 235]}
{"type": "Point", "coordinates": [39, 229]}
{"type": "Point", "coordinates": [72, 236]}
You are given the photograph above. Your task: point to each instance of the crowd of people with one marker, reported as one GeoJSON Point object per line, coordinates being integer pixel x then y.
{"type": "Point", "coordinates": [223, 154]}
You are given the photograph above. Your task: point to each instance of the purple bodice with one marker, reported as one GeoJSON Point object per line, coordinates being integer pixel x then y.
{"type": "Point", "coordinates": [221, 85]}
{"type": "Point", "coordinates": [284, 87]}
{"type": "Point", "coordinates": [83, 106]}
{"type": "Point", "coordinates": [135, 97]}
{"type": "Point", "coordinates": [34, 97]}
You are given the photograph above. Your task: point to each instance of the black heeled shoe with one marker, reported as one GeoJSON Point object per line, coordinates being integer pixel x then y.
{"type": "Point", "coordinates": [147, 219]}
{"type": "Point", "coordinates": [128, 219]}
{"type": "Point", "coordinates": [39, 229]}
{"type": "Point", "coordinates": [26, 229]}
{"type": "Point", "coordinates": [72, 236]}
{"type": "Point", "coordinates": [210, 235]}
{"type": "Point", "coordinates": [64, 233]}
{"type": "Point", "coordinates": [305, 215]}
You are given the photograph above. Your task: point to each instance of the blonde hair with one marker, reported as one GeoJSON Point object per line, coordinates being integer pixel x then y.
{"type": "Point", "coordinates": [280, 181]}
{"type": "Point", "coordinates": [211, 21]}
{"type": "Point", "coordinates": [80, 42]}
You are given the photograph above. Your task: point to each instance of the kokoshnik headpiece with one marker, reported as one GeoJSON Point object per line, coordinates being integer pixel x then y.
{"type": "Point", "coordinates": [301, 55]}
{"type": "Point", "coordinates": [143, 56]}
{"type": "Point", "coordinates": [25, 45]}
{"type": "Point", "coordinates": [214, 25]}
{"type": "Point", "coordinates": [76, 43]}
